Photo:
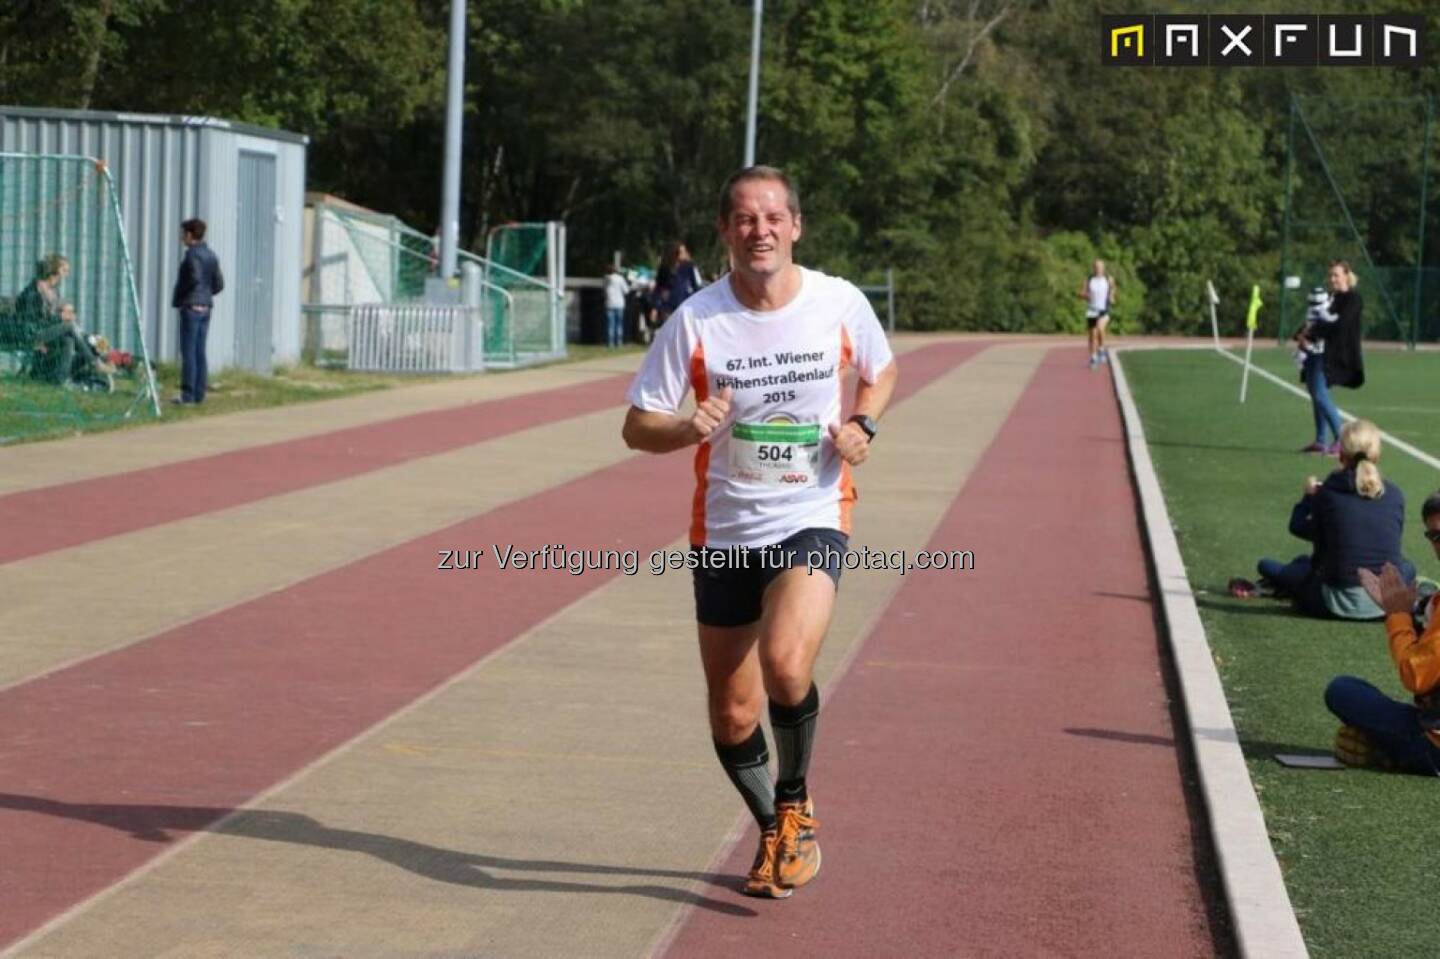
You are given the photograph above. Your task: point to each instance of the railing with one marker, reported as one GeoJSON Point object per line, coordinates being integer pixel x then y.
{"type": "Point", "coordinates": [414, 339]}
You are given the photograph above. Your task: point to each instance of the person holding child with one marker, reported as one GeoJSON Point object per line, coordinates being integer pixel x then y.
{"type": "Point", "coordinates": [1330, 346]}
{"type": "Point", "coordinates": [1354, 518]}
{"type": "Point", "coordinates": [1375, 729]}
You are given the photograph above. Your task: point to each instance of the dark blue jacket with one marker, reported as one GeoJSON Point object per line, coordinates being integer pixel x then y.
{"type": "Point", "coordinates": [200, 278]}
{"type": "Point", "coordinates": [1350, 531]}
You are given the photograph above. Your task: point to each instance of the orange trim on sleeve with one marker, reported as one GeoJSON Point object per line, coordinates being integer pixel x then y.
{"type": "Point", "coordinates": [847, 350]}
{"type": "Point", "coordinates": [700, 382]}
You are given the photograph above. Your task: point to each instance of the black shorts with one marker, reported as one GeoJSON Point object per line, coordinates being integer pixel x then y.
{"type": "Point", "coordinates": [1093, 321]}
{"type": "Point", "coordinates": [730, 584]}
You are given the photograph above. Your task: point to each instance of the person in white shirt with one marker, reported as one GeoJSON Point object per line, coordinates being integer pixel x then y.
{"type": "Point", "coordinates": [615, 290]}
{"type": "Point", "coordinates": [765, 349]}
{"type": "Point", "coordinates": [1098, 292]}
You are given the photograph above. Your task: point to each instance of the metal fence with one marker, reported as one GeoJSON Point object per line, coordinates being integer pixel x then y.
{"type": "Point", "coordinates": [414, 339]}
{"type": "Point", "coordinates": [368, 259]}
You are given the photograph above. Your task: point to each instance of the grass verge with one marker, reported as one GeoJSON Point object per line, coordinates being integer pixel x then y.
{"type": "Point", "coordinates": [31, 411]}
{"type": "Point", "coordinates": [1357, 848]}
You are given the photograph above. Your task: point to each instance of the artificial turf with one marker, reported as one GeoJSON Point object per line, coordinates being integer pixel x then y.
{"type": "Point", "coordinates": [1358, 848]}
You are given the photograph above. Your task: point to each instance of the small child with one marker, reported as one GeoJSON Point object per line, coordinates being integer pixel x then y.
{"type": "Point", "coordinates": [1310, 341]}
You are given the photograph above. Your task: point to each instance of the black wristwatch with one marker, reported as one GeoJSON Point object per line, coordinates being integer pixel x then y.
{"type": "Point", "coordinates": [866, 424]}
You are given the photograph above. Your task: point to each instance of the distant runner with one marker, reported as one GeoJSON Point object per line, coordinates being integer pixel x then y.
{"type": "Point", "coordinates": [1098, 292]}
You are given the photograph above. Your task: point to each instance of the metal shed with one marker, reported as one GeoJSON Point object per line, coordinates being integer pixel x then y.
{"type": "Point", "coordinates": [247, 183]}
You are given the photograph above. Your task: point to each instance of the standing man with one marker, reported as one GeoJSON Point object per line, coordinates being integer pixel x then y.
{"type": "Point", "coordinates": [195, 288]}
{"type": "Point", "coordinates": [765, 351]}
{"type": "Point", "coordinates": [1098, 292]}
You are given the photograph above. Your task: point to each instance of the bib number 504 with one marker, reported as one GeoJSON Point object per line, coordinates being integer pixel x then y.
{"type": "Point", "coordinates": [775, 454]}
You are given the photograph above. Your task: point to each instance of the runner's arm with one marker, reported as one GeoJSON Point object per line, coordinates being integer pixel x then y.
{"type": "Point", "coordinates": [652, 432]}
{"type": "Point", "coordinates": [655, 431]}
{"type": "Point", "coordinates": [872, 398]}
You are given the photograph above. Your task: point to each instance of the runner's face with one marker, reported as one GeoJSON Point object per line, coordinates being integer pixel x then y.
{"type": "Point", "coordinates": [1339, 279]}
{"type": "Point", "coordinates": [761, 231]}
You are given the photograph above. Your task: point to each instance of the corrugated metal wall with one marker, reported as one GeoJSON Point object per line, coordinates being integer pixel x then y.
{"type": "Point", "coordinates": [167, 169]}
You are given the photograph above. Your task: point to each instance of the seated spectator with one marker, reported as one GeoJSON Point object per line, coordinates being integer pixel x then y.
{"type": "Point", "coordinates": [1376, 730]}
{"type": "Point", "coordinates": [1354, 519]}
{"type": "Point", "coordinates": [37, 312]}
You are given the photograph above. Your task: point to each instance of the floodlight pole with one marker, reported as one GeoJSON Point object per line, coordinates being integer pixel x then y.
{"type": "Point", "coordinates": [1420, 256]}
{"type": "Point", "coordinates": [454, 117]}
{"type": "Point", "coordinates": [758, 16]}
{"type": "Point", "coordinates": [1285, 228]}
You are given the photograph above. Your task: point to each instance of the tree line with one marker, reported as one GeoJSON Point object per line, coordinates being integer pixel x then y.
{"type": "Point", "coordinates": [978, 147]}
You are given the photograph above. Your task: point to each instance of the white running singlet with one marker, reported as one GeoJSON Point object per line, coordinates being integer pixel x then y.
{"type": "Point", "coordinates": [1099, 287]}
{"type": "Point", "coordinates": [771, 469]}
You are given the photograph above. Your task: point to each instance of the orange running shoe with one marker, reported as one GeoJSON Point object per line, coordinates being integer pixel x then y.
{"type": "Point", "coordinates": [798, 854]}
{"type": "Point", "coordinates": [761, 881]}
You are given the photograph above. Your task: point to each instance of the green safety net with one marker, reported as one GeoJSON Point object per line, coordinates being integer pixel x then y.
{"type": "Point", "coordinates": [518, 302]}
{"type": "Point", "coordinates": [374, 258]}
{"type": "Point", "coordinates": [72, 353]}
{"type": "Point", "coordinates": [1357, 188]}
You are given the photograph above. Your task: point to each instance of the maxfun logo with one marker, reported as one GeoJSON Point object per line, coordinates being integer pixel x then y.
{"type": "Point", "coordinates": [1254, 40]}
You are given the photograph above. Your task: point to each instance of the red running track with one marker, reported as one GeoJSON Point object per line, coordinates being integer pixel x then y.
{"type": "Point", "coordinates": [996, 773]}
{"type": "Point", "coordinates": [102, 763]}
{"type": "Point", "coordinates": [58, 517]}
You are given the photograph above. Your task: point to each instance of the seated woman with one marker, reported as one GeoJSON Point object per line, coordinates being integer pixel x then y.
{"type": "Point", "coordinates": [1354, 518]}
{"type": "Point", "coordinates": [1377, 730]}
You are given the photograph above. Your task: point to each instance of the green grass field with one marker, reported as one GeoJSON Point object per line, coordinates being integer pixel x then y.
{"type": "Point", "coordinates": [1359, 850]}
{"type": "Point", "coordinates": [39, 411]}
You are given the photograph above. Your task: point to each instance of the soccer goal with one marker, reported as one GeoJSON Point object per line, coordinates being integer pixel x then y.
{"type": "Point", "coordinates": [72, 350]}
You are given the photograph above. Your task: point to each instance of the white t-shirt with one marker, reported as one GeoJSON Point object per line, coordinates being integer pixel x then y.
{"type": "Point", "coordinates": [1099, 287]}
{"type": "Point", "coordinates": [771, 469]}
{"type": "Point", "coordinates": [615, 290]}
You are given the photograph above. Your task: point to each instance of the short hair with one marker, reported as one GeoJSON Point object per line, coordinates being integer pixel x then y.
{"type": "Point", "coordinates": [195, 228]}
{"type": "Point", "coordinates": [49, 265]}
{"type": "Point", "coordinates": [1431, 506]}
{"type": "Point", "coordinates": [758, 172]}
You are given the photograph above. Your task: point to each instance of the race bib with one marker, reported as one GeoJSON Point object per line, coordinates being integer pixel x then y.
{"type": "Point", "coordinates": [775, 454]}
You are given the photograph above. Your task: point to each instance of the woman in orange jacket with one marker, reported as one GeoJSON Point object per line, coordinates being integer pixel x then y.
{"type": "Point", "coordinates": [1377, 730]}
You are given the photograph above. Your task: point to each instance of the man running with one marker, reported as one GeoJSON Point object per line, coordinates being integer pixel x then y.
{"type": "Point", "coordinates": [1098, 292]}
{"type": "Point", "coordinates": [765, 348]}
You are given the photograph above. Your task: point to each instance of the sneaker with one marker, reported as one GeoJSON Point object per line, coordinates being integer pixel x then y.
{"type": "Point", "coordinates": [1104, 356]}
{"type": "Point", "coordinates": [1314, 448]}
{"type": "Point", "coordinates": [1333, 449]}
{"type": "Point", "coordinates": [1094, 361]}
{"type": "Point", "coordinates": [762, 879]}
{"type": "Point", "coordinates": [798, 854]}
{"type": "Point", "coordinates": [1354, 748]}
{"type": "Point", "coordinates": [1242, 588]}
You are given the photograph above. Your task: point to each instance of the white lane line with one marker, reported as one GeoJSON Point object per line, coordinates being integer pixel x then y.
{"type": "Point", "coordinates": [1394, 441]}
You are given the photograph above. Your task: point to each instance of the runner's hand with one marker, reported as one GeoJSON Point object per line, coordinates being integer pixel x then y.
{"type": "Point", "coordinates": [1389, 589]}
{"type": "Point", "coordinates": [850, 442]}
{"type": "Point", "coordinates": [1312, 486]}
{"type": "Point", "coordinates": [711, 413]}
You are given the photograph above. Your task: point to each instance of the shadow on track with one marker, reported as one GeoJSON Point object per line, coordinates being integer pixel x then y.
{"type": "Point", "coordinates": [159, 824]}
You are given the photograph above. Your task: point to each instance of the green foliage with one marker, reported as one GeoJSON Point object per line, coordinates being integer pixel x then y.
{"type": "Point", "coordinates": [970, 145]}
